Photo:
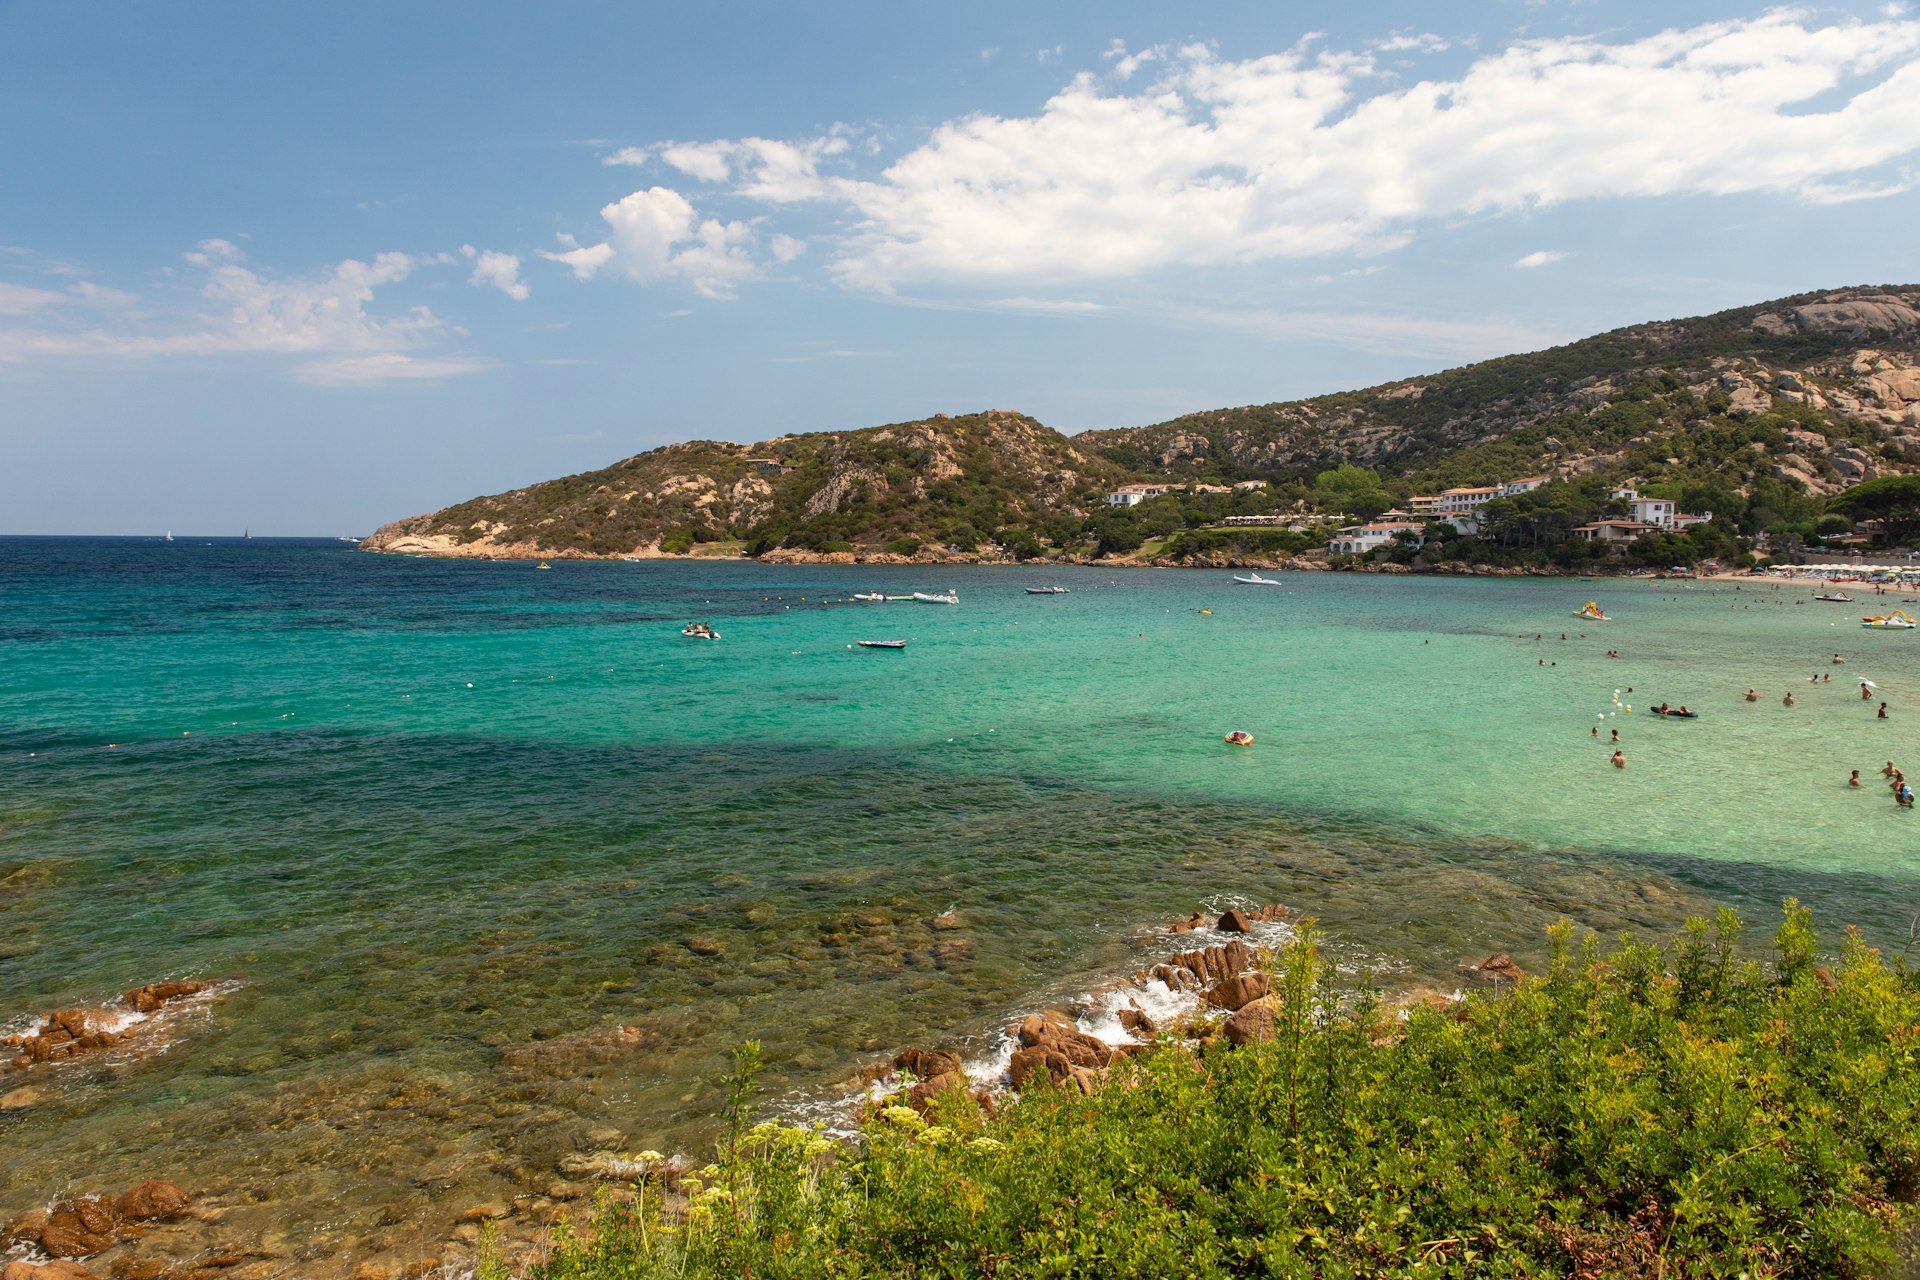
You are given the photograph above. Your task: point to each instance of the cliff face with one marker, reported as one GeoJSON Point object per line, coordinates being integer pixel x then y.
{"type": "Point", "coordinates": [1813, 393]}
{"type": "Point", "coordinates": [939, 480]}
{"type": "Point", "coordinates": [1846, 355]}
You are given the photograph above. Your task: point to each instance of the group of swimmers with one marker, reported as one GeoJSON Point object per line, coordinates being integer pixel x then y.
{"type": "Point", "coordinates": [1896, 783]}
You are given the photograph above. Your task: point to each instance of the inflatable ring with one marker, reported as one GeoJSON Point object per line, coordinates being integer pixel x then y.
{"type": "Point", "coordinates": [1239, 738]}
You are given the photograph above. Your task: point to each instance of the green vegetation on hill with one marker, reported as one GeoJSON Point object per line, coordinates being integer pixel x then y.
{"type": "Point", "coordinates": [1645, 1112]}
{"type": "Point", "coordinates": [1758, 414]}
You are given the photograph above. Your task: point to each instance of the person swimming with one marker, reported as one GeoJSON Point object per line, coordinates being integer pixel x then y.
{"type": "Point", "coordinates": [1853, 779]}
{"type": "Point", "coordinates": [1619, 759]}
{"type": "Point", "coordinates": [1889, 771]}
{"type": "Point", "coordinates": [1752, 696]}
{"type": "Point", "coordinates": [1838, 659]}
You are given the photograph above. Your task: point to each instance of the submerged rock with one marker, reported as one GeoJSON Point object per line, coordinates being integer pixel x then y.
{"type": "Point", "coordinates": [152, 1199]}
{"type": "Point", "coordinates": [57, 1269]}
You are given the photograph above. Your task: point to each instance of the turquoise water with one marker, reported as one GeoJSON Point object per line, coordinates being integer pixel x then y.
{"type": "Point", "coordinates": [432, 816]}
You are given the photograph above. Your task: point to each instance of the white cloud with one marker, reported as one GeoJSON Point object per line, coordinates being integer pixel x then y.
{"type": "Point", "coordinates": [237, 309]}
{"type": "Point", "coordinates": [987, 54]}
{"type": "Point", "coordinates": [786, 248]}
{"type": "Point", "coordinates": [20, 300]}
{"type": "Point", "coordinates": [585, 260]}
{"type": "Point", "coordinates": [1538, 258]}
{"type": "Point", "coordinates": [1125, 64]}
{"type": "Point", "coordinates": [1047, 306]}
{"type": "Point", "coordinates": [656, 234]}
{"type": "Point", "coordinates": [707, 161]}
{"type": "Point", "coordinates": [384, 367]}
{"type": "Point", "coordinates": [496, 270]}
{"type": "Point", "coordinates": [1413, 42]}
{"type": "Point", "coordinates": [1312, 152]}
{"type": "Point", "coordinates": [1379, 332]}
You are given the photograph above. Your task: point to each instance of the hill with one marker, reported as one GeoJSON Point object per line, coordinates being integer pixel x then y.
{"type": "Point", "coordinates": [1764, 410]}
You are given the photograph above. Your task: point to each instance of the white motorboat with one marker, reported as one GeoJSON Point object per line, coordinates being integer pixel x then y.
{"type": "Point", "coordinates": [693, 631]}
{"type": "Point", "coordinates": [1255, 580]}
{"type": "Point", "coordinates": [870, 597]}
{"type": "Point", "coordinates": [1046, 591]}
{"type": "Point", "coordinates": [928, 597]}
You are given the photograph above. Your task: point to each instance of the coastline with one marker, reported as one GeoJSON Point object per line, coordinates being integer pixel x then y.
{"type": "Point", "coordinates": [439, 546]}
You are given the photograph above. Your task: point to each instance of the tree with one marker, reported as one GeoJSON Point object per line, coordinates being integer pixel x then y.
{"type": "Point", "coordinates": [1893, 499]}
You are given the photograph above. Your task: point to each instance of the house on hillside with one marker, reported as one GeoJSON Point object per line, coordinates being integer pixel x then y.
{"type": "Point", "coordinates": [1663, 513]}
{"type": "Point", "coordinates": [1244, 485]}
{"type": "Point", "coordinates": [1525, 484]}
{"type": "Point", "coordinates": [1614, 530]}
{"type": "Point", "coordinates": [1132, 495]}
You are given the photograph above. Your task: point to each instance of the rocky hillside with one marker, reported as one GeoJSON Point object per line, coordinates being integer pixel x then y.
{"type": "Point", "coordinates": [943, 482]}
{"type": "Point", "coordinates": [1780, 402]}
{"type": "Point", "coordinates": [1833, 372]}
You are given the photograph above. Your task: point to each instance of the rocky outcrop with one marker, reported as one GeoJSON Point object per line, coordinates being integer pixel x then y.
{"type": "Point", "coordinates": [1252, 1022]}
{"type": "Point", "coordinates": [84, 1225]}
{"type": "Point", "coordinates": [65, 1034]}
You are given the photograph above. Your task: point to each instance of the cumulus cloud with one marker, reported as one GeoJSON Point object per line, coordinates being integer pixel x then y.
{"type": "Point", "coordinates": [656, 234]}
{"type": "Point", "coordinates": [1538, 258]}
{"type": "Point", "coordinates": [242, 310]}
{"type": "Point", "coordinates": [1314, 151]}
{"type": "Point", "coordinates": [497, 271]}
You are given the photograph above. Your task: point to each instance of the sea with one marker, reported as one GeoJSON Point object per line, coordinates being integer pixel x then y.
{"type": "Point", "coordinates": [437, 827]}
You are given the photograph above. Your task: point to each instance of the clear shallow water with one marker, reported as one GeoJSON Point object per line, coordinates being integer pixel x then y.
{"type": "Point", "coordinates": [439, 817]}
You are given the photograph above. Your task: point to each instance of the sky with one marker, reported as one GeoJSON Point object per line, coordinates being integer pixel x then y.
{"type": "Point", "coordinates": [305, 269]}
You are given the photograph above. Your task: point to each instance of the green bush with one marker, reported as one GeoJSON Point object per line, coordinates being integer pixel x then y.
{"type": "Point", "coordinates": [904, 546]}
{"type": "Point", "coordinates": [1676, 1112]}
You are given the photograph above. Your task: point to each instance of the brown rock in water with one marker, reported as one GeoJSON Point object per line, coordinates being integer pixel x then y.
{"type": "Point", "coordinates": [706, 944]}
{"type": "Point", "coordinates": [1499, 966]}
{"type": "Point", "coordinates": [1028, 1063]}
{"type": "Point", "coordinates": [485, 1212]}
{"type": "Point", "coordinates": [948, 920]}
{"type": "Point", "coordinates": [152, 1199]}
{"type": "Point", "coordinates": [79, 1228]}
{"type": "Point", "coordinates": [155, 994]}
{"type": "Point", "coordinates": [1135, 1020]}
{"type": "Point", "coordinates": [142, 1269]}
{"type": "Point", "coordinates": [20, 1099]}
{"type": "Point", "coordinates": [1176, 977]}
{"type": "Point", "coordinates": [24, 1228]}
{"type": "Point", "coordinates": [1214, 963]}
{"type": "Point", "coordinates": [1237, 991]}
{"type": "Point", "coordinates": [58, 1269]}
{"type": "Point", "coordinates": [1253, 1021]}
{"type": "Point", "coordinates": [1233, 920]}
{"type": "Point", "coordinates": [1197, 920]}
{"type": "Point", "coordinates": [1050, 1031]}
{"type": "Point", "coordinates": [925, 1064]}
{"type": "Point", "coordinates": [1272, 913]}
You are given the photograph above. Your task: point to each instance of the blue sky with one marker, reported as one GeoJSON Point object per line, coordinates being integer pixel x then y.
{"type": "Point", "coordinates": [305, 269]}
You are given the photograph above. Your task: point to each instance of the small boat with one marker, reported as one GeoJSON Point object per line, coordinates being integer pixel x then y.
{"type": "Point", "coordinates": [1046, 591]}
{"type": "Point", "coordinates": [696, 631]}
{"type": "Point", "coordinates": [1255, 580]}
{"type": "Point", "coordinates": [871, 597]}
{"type": "Point", "coordinates": [928, 597]}
{"type": "Point", "coordinates": [1835, 597]}
{"type": "Point", "coordinates": [1895, 621]}
{"type": "Point", "coordinates": [543, 565]}
{"type": "Point", "coordinates": [169, 535]}
{"type": "Point", "coordinates": [1675, 713]}
{"type": "Point", "coordinates": [881, 644]}
{"type": "Point", "coordinates": [1239, 738]}
{"type": "Point", "coordinates": [1591, 611]}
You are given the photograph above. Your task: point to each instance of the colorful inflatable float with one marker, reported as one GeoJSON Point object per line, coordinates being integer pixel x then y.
{"type": "Point", "coordinates": [1895, 621]}
{"type": "Point", "coordinates": [1591, 610]}
{"type": "Point", "coordinates": [1239, 738]}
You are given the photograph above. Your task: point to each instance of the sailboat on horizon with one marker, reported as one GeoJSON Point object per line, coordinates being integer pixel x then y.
{"type": "Point", "coordinates": [169, 535]}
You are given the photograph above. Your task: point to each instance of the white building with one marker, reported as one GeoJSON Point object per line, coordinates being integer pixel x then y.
{"type": "Point", "coordinates": [1661, 513]}
{"type": "Point", "coordinates": [1360, 539]}
{"type": "Point", "coordinates": [1244, 485]}
{"type": "Point", "coordinates": [1132, 495]}
{"type": "Point", "coordinates": [1423, 504]}
{"type": "Point", "coordinates": [1525, 484]}
{"type": "Point", "coordinates": [1460, 501]}
{"type": "Point", "coordinates": [1614, 530]}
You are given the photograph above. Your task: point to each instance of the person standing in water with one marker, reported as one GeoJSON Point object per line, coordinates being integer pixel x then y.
{"type": "Point", "coordinates": [1864, 695]}
{"type": "Point", "coordinates": [1853, 779]}
{"type": "Point", "coordinates": [1619, 759]}
{"type": "Point", "coordinates": [1752, 696]}
{"type": "Point", "coordinates": [1787, 701]}
{"type": "Point", "coordinates": [1883, 712]}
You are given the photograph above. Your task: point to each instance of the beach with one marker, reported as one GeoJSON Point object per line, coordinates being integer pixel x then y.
{"type": "Point", "coordinates": [493, 867]}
